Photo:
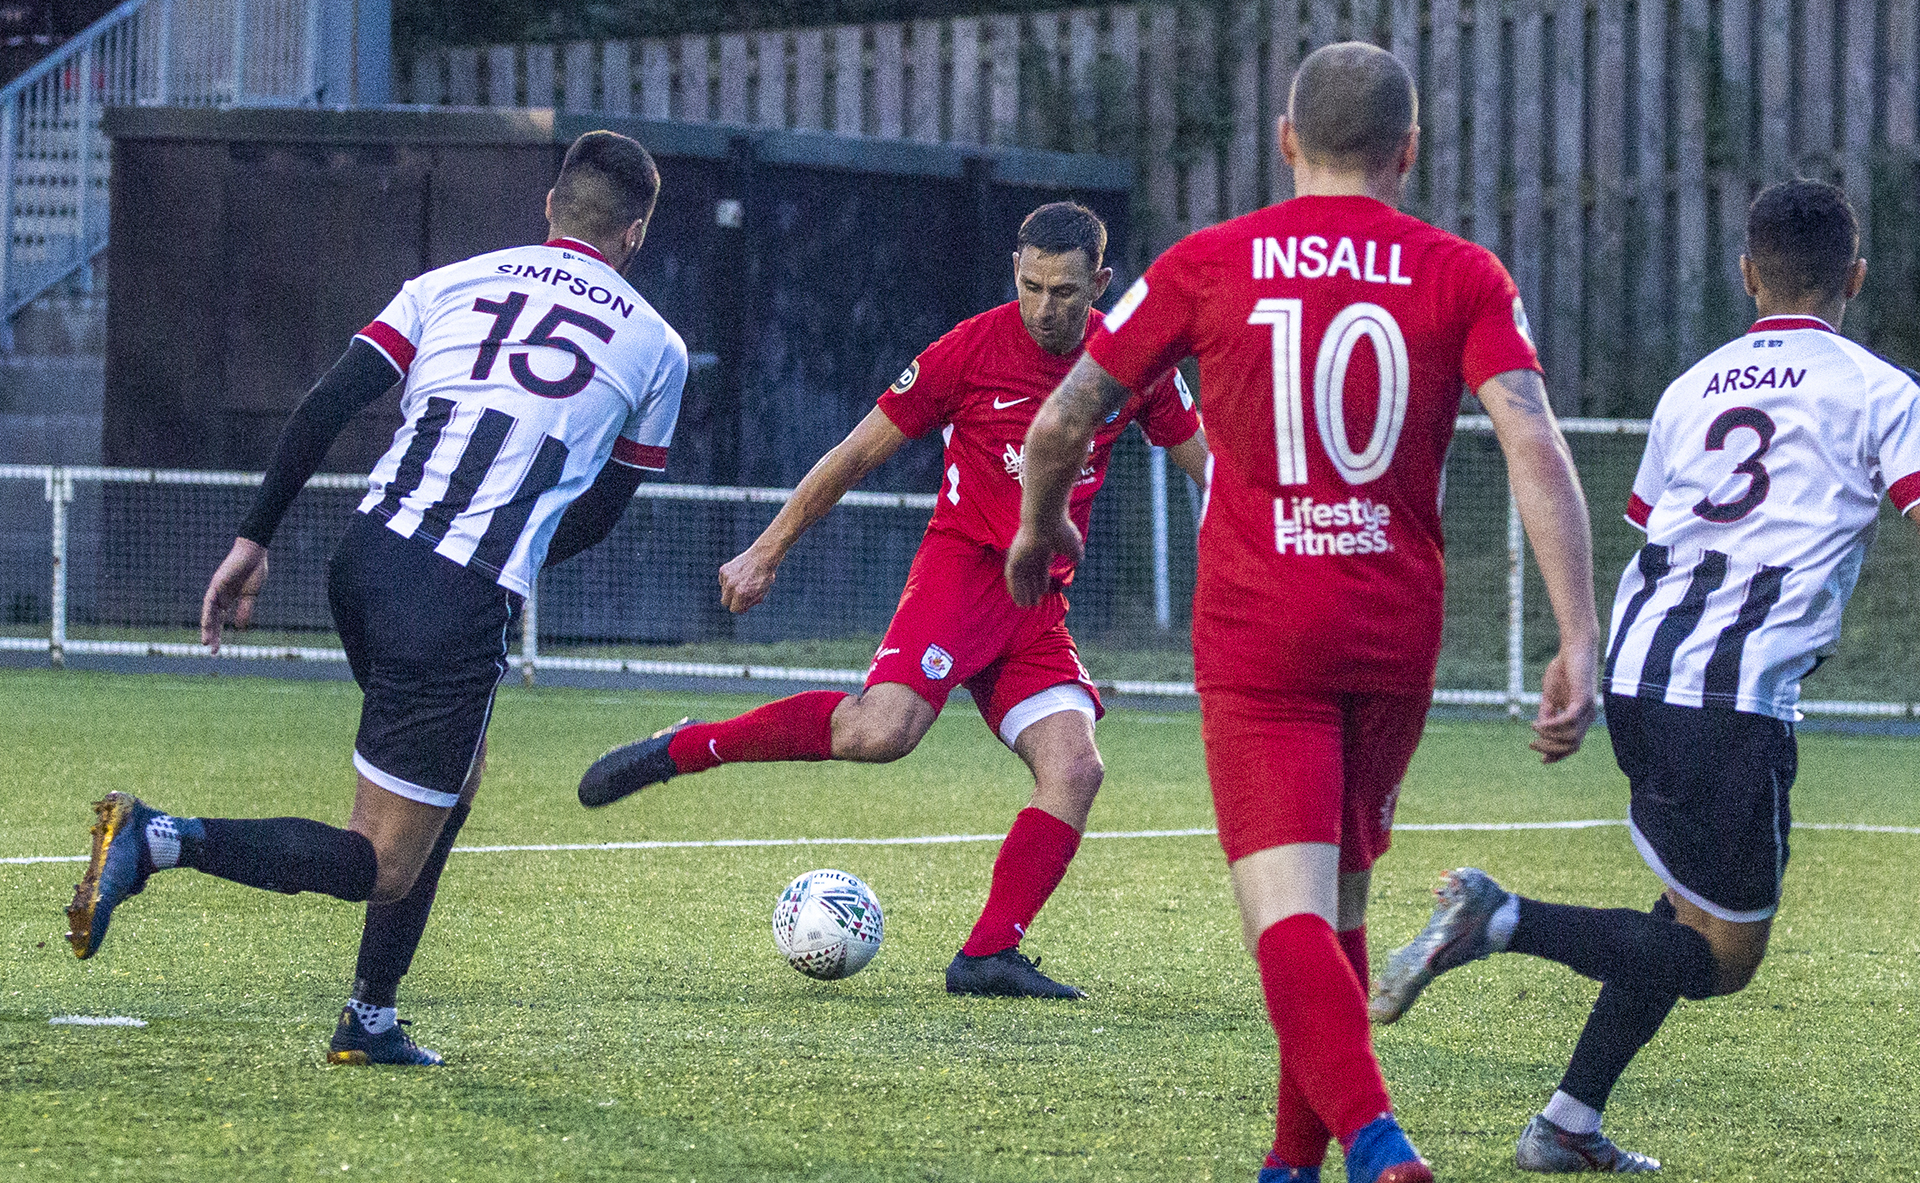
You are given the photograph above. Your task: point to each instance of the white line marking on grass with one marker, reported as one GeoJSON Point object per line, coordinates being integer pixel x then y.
{"type": "Point", "coordinates": [95, 1021]}
{"type": "Point", "coordinates": [947, 839]}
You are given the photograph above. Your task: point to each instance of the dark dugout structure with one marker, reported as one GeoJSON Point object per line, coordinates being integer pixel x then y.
{"type": "Point", "coordinates": [804, 271]}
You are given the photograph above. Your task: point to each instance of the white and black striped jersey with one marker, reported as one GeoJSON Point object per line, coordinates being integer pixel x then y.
{"type": "Point", "coordinates": [1758, 492]}
{"type": "Point", "coordinates": [526, 370]}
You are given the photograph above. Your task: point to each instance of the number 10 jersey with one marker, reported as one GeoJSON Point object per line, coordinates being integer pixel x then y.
{"type": "Point", "coordinates": [1759, 490]}
{"type": "Point", "coordinates": [526, 371]}
{"type": "Point", "coordinates": [1334, 336]}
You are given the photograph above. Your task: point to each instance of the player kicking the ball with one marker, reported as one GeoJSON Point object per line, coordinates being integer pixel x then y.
{"type": "Point", "coordinates": [980, 384]}
{"type": "Point", "coordinates": [1758, 493]}
{"type": "Point", "coordinates": [527, 370]}
{"type": "Point", "coordinates": [1335, 335]}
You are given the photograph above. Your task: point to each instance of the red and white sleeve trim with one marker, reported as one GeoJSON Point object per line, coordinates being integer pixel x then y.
{"type": "Point", "coordinates": [647, 456]}
{"type": "Point", "coordinates": [1638, 511]}
{"type": "Point", "coordinates": [391, 342]}
{"type": "Point", "coordinates": [1905, 492]}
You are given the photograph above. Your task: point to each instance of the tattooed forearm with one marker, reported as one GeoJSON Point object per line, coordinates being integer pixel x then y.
{"type": "Point", "coordinates": [1521, 390]}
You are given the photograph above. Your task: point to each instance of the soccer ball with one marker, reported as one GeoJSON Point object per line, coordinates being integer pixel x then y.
{"type": "Point", "coordinates": [827, 925]}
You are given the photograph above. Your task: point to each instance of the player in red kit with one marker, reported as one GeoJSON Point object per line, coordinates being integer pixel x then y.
{"type": "Point", "coordinates": [1335, 336]}
{"type": "Point", "coordinates": [955, 626]}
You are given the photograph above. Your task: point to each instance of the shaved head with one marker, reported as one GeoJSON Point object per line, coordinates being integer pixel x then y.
{"type": "Point", "coordinates": [1352, 104]}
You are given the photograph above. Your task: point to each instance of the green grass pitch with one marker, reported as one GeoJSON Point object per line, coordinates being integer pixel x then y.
{"type": "Point", "coordinates": [622, 1015]}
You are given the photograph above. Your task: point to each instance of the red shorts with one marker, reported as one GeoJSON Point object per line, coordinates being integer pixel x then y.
{"type": "Point", "coordinates": [957, 626]}
{"type": "Point", "coordinates": [1292, 766]}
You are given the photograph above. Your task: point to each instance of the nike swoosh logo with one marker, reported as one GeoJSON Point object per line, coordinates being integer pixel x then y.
{"type": "Point", "coordinates": [1000, 406]}
{"type": "Point", "coordinates": [713, 745]}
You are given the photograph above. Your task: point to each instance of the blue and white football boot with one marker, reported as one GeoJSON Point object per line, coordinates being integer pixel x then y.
{"type": "Point", "coordinates": [1455, 934]}
{"type": "Point", "coordinates": [1549, 1149]}
{"type": "Point", "coordinates": [117, 868]}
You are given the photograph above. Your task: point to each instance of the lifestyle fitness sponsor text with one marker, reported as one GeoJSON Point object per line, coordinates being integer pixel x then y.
{"type": "Point", "coordinates": [1305, 526]}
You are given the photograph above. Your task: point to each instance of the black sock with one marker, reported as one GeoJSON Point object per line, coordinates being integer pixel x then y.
{"type": "Point", "coordinates": [289, 854]}
{"type": "Point", "coordinates": [393, 931]}
{"type": "Point", "coordinates": [1642, 952]}
{"type": "Point", "coordinates": [1622, 1022]}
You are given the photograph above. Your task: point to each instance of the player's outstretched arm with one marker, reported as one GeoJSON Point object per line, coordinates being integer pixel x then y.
{"type": "Point", "coordinates": [361, 375]}
{"type": "Point", "coordinates": [1056, 444]}
{"type": "Point", "coordinates": [747, 577]}
{"type": "Point", "coordinates": [593, 514]}
{"type": "Point", "coordinates": [1554, 512]}
{"type": "Point", "coordinates": [1192, 457]}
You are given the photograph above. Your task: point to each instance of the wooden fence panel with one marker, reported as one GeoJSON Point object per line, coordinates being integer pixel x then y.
{"type": "Point", "coordinates": [889, 70]}
{"type": "Point", "coordinates": [927, 83]}
{"type": "Point", "coordinates": [1648, 248]}
{"type": "Point", "coordinates": [616, 77]}
{"type": "Point", "coordinates": [578, 77]}
{"type": "Point", "coordinates": [1815, 89]}
{"type": "Point", "coordinates": [1283, 57]}
{"type": "Point", "coordinates": [1489, 77]}
{"type": "Point", "coordinates": [964, 112]}
{"type": "Point", "coordinates": [1246, 150]}
{"type": "Point", "coordinates": [656, 81]}
{"type": "Point", "coordinates": [1607, 148]}
{"type": "Point", "coordinates": [1773, 47]}
{"type": "Point", "coordinates": [1903, 74]}
{"type": "Point", "coordinates": [1567, 263]}
{"type": "Point", "coordinates": [810, 80]}
{"type": "Point", "coordinates": [501, 82]}
{"type": "Point", "coordinates": [1083, 55]}
{"type": "Point", "coordinates": [770, 65]}
{"type": "Point", "coordinates": [1529, 128]}
{"type": "Point", "coordinates": [539, 76]}
{"type": "Point", "coordinates": [734, 75]}
{"type": "Point", "coordinates": [1003, 80]}
{"type": "Point", "coordinates": [1692, 70]}
{"type": "Point", "coordinates": [1442, 117]}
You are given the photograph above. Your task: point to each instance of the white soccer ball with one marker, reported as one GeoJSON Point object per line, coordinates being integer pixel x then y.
{"type": "Point", "coordinates": [827, 924]}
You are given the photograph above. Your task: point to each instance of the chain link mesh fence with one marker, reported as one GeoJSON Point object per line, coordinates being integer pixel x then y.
{"type": "Point", "coordinates": [139, 546]}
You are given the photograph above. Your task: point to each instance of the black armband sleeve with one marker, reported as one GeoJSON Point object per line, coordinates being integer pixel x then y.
{"type": "Point", "coordinates": [361, 375]}
{"type": "Point", "coordinates": [593, 514]}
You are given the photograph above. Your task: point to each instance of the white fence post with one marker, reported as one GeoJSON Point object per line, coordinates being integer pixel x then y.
{"type": "Point", "coordinates": [1516, 607]}
{"type": "Point", "coordinates": [59, 493]}
{"type": "Point", "coordinates": [530, 631]}
{"type": "Point", "coordinates": [1157, 493]}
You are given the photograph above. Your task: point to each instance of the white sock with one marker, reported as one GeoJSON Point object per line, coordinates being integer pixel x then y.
{"type": "Point", "coordinates": [1500, 925]}
{"type": "Point", "coordinates": [1572, 1115]}
{"type": "Point", "coordinates": [374, 1018]}
{"type": "Point", "coordinates": [163, 842]}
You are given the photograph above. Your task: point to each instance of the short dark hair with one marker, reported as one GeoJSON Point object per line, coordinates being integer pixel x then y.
{"type": "Point", "coordinates": [1352, 102]}
{"type": "Point", "coordinates": [1061, 226]}
{"type": "Point", "coordinates": [607, 183]}
{"type": "Point", "coordinates": [1802, 237]}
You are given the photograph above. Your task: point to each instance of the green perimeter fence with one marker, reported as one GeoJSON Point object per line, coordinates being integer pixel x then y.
{"type": "Point", "coordinates": [114, 561]}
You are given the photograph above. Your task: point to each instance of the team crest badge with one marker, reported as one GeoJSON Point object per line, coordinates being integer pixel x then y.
{"type": "Point", "coordinates": [936, 663]}
{"type": "Point", "coordinates": [905, 381]}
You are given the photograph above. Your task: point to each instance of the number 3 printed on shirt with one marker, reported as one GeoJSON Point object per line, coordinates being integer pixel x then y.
{"type": "Point", "coordinates": [1348, 328]}
{"type": "Point", "coordinates": [1758, 480]}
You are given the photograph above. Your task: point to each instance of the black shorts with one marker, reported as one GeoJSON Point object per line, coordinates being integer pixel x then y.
{"type": "Point", "coordinates": [427, 640]}
{"type": "Point", "coordinates": [1709, 810]}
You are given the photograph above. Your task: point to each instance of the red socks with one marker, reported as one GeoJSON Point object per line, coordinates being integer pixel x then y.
{"type": "Point", "coordinates": [1319, 1013]}
{"type": "Point", "coordinates": [1032, 861]}
{"type": "Point", "coordinates": [796, 728]}
{"type": "Point", "coordinates": [1300, 1137]}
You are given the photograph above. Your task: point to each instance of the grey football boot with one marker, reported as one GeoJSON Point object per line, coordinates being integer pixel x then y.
{"type": "Point", "coordinates": [1549, 1149]}
{"type": "Point", "coordinates": [1455, 934]}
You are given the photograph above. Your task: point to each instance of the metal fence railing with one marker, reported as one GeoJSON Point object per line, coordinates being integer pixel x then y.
{"type": "Point", "coordinates": [53, 155]}
{"type": "Point", "coordinates": [114, 561]}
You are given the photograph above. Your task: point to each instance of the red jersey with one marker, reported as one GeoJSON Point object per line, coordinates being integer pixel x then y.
{"type": "Point", "coordinates": [1334, 336]}
{"type": "Point", "coordinates": [983, 383]}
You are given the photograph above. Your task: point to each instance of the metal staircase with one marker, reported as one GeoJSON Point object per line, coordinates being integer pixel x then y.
{"type": "Point", "coordinates": [185, 53]}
